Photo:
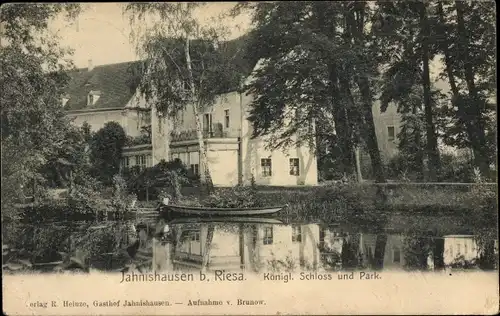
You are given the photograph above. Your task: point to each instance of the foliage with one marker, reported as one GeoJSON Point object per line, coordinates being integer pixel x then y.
{"type": "Point", "coordinates": [72, 157]}
{"type": "Point", "coordinates": [314, 76]}
{"type": "Point", "coordinates": [407, 45]}
{"type": "Point", "coordinates": [139, 140]}
{"type": "Point", "coordinates": [186, 63]}
{"type": "Point", "coordinates": [462, 40]}
{"type": "Point", "coordinates": [169, 176]}
{"type": "Point", "coordinates": [86, 196]}
{"type": "Point", "coordinates": [106, 150]}
{"type": "Point", "coordinates": [238, 196]}
{"type": "Point", "coordinates": [32, 79]}
{"type": "Point", "coordinates": [121, 200]}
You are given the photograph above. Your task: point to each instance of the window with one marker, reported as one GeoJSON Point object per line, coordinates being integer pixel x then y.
{"type": "Point", "coordinates": [322, 235]}
{"type": "Point", "coordinates": [140, 161]}
{"type": "Point", "coordinates": [195, 169]}
{"type": "Point", "coordinates": [268, 235]}
{"type": "Point", "coordinates": [459, 249]}
{"type": "Point", "coordinates": [391, 133]}
{"type": "Point", "coordinates": [92, 97]}
{"type": "Point", "coordinates": [64, 101]}
{"type": "Point", "coordinates": [195, 236]}
{"type": "Point", "coordinates": [396, 255]}
{"type": "Point", "coordinates": [265, 164]}
{"type": "Point", "coordinates": [207, 123]}
{"type": "Point", "coordinates": [296, 233]}
{"type": "Point", "coordinates": [125, 162]}
{"type": "Point", "coordinates": [294, 166]}
{"type": "Point", "coordinates": [226, 118]}
{"type": "Point", "coordinates": [185, 85]}
{"type": "Point", "coordinates": [149, 161]}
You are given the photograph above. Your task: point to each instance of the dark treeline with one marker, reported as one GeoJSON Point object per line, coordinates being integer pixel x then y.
{"type": "Point", "coordinates": [331, 62]}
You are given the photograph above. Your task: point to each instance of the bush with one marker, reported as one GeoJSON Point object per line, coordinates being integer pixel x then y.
{"type": "Point", "coordinates": [164, 178]}
{"type": "Point", "coordinates": [455, 169]}
{"type": "Point", "coordinates": [239, 196]}
{"type": "Point", "coordinates": [106, 151]}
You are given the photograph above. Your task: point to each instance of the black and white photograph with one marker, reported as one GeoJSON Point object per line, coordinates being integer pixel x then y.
{"type": "Point", "coordinates": [249, 158]}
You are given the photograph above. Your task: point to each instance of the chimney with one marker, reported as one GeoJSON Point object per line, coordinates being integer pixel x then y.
{"type": "Point", "coordinates": [91, 65]}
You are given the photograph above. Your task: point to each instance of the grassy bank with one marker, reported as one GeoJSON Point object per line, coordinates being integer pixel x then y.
{"type": "Point", "coordinates": [366, 204]}
{"type": "Point", "coordinates": [368, 196]}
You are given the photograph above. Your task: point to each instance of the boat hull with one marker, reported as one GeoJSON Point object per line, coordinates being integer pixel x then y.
{"type": "Point", "coordinates": [223, 219]}
{"type": "Point", "coordinates": [213, 212]}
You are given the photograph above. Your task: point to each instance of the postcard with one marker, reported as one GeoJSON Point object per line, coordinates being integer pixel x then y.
{"type": "Point", "coordinates": [249, 158]}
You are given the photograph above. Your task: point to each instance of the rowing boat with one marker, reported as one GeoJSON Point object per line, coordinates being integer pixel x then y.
{"type": "Point", "coordinates": [220, 211]}
{"type": "Point", "coordinates": [228, 219]}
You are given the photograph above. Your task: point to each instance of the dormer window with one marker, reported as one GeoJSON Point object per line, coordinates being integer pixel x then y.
{"type": "Point", "coordinates": [92, 97]}
{"type": "Point", "coordinates": [64, 101]}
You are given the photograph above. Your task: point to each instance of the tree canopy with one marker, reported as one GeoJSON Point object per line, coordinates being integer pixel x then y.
{"type": "Point", "coordinates": [32, 79]}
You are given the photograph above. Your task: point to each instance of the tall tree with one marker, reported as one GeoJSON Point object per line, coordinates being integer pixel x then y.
{"type": "Point", "coordinates": [432, 144]}
{"type": "Point", "coordinates": [465, 34]}
{"type": "Point", "coordinates": [403, 32]}
{"type": "Point", "coordinates": [357, 17]}
{"type": "Point", "coordinates": [106, 150]}
{"type": "Point", "coordinates": [312, 71]}
{"type": "Point", "coordinates": [184, 66]}
{"type": "Point", "coordinates": [32, 80]}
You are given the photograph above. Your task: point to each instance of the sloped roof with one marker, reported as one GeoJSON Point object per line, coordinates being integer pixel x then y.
{"type": "Point", "coordinates": [243, 62]}
{"type": "Point", "coordinates": [117, 83]}
{"type": "Point", "coordinates": [113, 81]}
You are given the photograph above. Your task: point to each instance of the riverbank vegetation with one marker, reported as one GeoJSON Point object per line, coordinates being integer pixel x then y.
{"type": "Point", "coordinates": [43, 152]}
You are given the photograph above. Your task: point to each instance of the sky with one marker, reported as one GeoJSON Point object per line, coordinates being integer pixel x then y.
{"type": "Point", "coordinates": [101, 33]}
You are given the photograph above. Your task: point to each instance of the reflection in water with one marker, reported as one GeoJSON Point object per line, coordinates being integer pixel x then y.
{"type": "Point", "coordinates": [236, 244]}
{"type": "Point", "coordinates": [275, 247]}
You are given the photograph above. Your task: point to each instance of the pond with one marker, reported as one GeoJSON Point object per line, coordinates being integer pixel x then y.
{"type": "Point", "coordinates": [272, 244]}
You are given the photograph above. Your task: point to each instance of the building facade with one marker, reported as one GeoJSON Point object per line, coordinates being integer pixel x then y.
{"type": "Point", "coordinates": [102, 94]}
{"type": "Point", "coordinates": [235, 246]}
{"type": "Point", "coordinates": [233, 155]}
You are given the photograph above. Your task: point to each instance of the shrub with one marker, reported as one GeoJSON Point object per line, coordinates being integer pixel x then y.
{"type": "Point", "coordinates": [106, 150]}
{"type": "Point", "coordinates": [167, 177]}
{"type": "Point", "coordinates": [239, 196]}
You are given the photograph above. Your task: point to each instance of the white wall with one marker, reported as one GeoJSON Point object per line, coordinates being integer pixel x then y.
{"type": "Point", "coordinates": [458, 246]}
{"type": "Point", "coordinates": [283, 248]}
{"type": "Point", "coordinates": [160, 136]}
{"type": "Point", "coordinates": [229, 101]}
{"type": "Point", "coordinates": [253, 150]}
{"type": "Point", "coordinates": [388, 148]}
{"type": "Point", "coordinates": [223, 166]}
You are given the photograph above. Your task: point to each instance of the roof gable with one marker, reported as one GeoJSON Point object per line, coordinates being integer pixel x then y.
{"type": "Point", "coordinates": [117, 83]}
{"type": "Point", "coordinates": [113, 83]}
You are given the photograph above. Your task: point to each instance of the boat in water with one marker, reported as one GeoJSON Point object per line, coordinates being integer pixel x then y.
{"type": "Point", "coordinates": [224, 219]}
{"type": "Point", "coordinates": [206, 211]}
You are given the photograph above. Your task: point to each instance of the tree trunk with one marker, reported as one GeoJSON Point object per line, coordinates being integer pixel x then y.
{"type": "Point", "coordinates": [359, 175]}
{"type": "Point", "coordinates": [208, 245]}
{"type": "Point", "coordinates": [432, 145]}
{"type": "Point", "coordinates": [380, 244]}
{"type": "Point", "coordinates": [202, 154]}
{"type": "Point", "coordinates": [355, 25]}
{"type": "Point", "coordinates": [475, 108]}
{"type": "Point", "coordinates": [241, 239]}
{"type": "Point", "coordinates": [459, 102]}
{"type": "Point", "coordinates": [419, 155]}
{"type": "Point", "coordinates": [342, 128]}
{"type": "Point", "coordinates": [369, 130]}
{"type": "Point", "coordinates": [353, 119]}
